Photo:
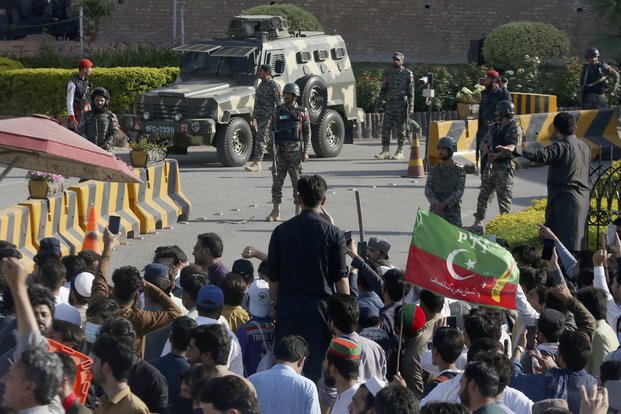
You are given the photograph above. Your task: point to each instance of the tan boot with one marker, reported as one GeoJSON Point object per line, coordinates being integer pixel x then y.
{"type": "Point", "coordinates": [254, 166]}
{"type": "Point", "coordinates": [275, 214]}
{"type": "Point", "coordinates": [298, 209]}
{"type": "Point", "coordinates": [383, 155]}
{"type": "Point", "coordinates": [398, 154]}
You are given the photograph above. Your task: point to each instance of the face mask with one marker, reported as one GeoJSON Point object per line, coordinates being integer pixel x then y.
{"type": "Point", "coordinates": [91, 330]}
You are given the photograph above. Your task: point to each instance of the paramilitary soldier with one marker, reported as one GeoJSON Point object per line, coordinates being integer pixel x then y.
{"type": "Point", "coordinates": [499, 171]}
{"type": "Point", "coordinates": [78, 94]}
{"type": "Point", "coordinates": [594, 81]}
{"type": "Point", "coordinates": [266, 99]}
{"type": "Point", "coordinates": [398, 92]}
{"type": "Point", "coordinates": [446, 183]}
{"type": "Point", "coordinates": [493, 93]}
{"type": "Point", "coordinates": [100, 125]}
{"type": "Point", "coordinates": [292, 133]}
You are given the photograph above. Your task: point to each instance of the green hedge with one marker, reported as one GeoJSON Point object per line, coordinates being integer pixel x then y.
{"type": "Point", "coordinates": [27, 91]}
{"type": "Point", "coordinates": [508, 45]}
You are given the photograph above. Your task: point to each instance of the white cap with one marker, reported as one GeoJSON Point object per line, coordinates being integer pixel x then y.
{"type": "Point", "coordinates": [374, 385]}
{"type": "Point", "coordinates": [83, 284]}
{"type": "Point", "coordinates": [259, 298]}
{"type": "Point", "coordinates": [66, 312]}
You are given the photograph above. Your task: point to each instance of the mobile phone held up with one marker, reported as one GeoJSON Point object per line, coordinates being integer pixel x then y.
{"type": "Point", "coordinates": [114, 223]}
{"type": "Point", "coordinates": [612, 234]}
{"type": "Point", "coordinates": [347, 235]}
{"type": "Point", "coordinates": [546, 251]}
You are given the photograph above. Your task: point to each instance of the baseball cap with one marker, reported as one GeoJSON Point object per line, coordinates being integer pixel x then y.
{"type": "Point", "coordinates": [83, 284]}
{"type": "Point", "coordinates": [49, 245]}
{"type": "Point", "coordinates": [243, 267]}
{"type": "Point", "coordinates": [154, 271]}
{"type": "Point", "coordinates": [379, 244]}
{"type": "Point", "coordinates": [259, 298]}
{"type": "Point", "coordinates": [210, 297]}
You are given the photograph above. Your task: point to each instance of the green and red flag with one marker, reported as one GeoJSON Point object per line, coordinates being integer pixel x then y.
{"type": "Point", "coordinates": [459, 264]}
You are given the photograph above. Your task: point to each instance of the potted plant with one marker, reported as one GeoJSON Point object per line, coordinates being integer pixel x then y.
{"type": "Point", "coordinates": [149, 149]}
{"type": "Point", "coordinates": [44, 185]}
{"type": "Point", "coordinates": [468, 101]}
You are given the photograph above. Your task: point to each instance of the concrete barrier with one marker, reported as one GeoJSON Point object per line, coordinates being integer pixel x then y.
{"type": "Point", "coordinates": [15, 227]}
{"type": "Point", "coordinates": [533, 103]}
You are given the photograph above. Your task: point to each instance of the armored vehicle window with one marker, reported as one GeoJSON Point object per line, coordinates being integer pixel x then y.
{"type": "Point", "coordinates": [201, 64]}
{"type": "Point", "coordinates": [277, 62]}
{"type": "Point", "coordinates": [321, 55]}
{"type": "Point", "coordinates": [338, 53]}
{"type": "Point", "coordinates": [303, 57]}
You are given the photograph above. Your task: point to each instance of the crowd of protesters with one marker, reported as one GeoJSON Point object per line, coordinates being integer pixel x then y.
{"type": "Point", "coordinates": [316, 328]}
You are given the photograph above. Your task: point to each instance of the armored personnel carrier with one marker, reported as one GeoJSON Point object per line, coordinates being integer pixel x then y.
{"type": "Point", "coordinates": [211, 101]}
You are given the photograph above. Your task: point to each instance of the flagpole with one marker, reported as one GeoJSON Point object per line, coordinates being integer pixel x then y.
{"type": "Point", "coordinates": [401, 333]}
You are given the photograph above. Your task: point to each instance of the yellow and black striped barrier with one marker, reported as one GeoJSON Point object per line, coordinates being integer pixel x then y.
{"type": "Point", "coordinates": [597, 127]}
{"type": "Point", "coordinates": [463, 132]}
{"type": "Point", "coordinates": [15, 227]}
{"type": "Point", "coordinates": [533, 103]}
{"type": "Point", "coordinates": [108, 199]}
{"type": "Point", "coordinates": [174, 190]}
{"type": "Point", "coordinates": [56, 217]}
{"type": "Point", "coordinates": [150, 201]}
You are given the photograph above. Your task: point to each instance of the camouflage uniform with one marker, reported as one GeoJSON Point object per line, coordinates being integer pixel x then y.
{"type": "Point", "coordinates": [267, 99]}
{"type": "Point", "coordinates": [398, 92]}
{"type": "Point", "coordinates": [594, 85]}
{"type": "Point", "coordinates": [446, 183]}
{"type": "Point", "coordinates": [498, 174]}
{"type": "Point", "coordinates": [292, 131]}
{"type": "Point", "coordinates": [100, 127]}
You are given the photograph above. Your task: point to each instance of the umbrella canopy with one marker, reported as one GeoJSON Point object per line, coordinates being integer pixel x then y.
{"type": "Point", "coordinates": [41, 144]}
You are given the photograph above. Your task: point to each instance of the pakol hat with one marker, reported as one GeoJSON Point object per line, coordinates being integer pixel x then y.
{"type": "Point", "coordinates": [344, 348]}
{"type": "Point", "coordinates": [379, 244]}
{"type": "Point", "coordinates": [492, 74]}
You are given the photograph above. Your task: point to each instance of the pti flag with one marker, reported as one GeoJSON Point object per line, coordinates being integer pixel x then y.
{"type": "Point", "coordinates": [460, 265]}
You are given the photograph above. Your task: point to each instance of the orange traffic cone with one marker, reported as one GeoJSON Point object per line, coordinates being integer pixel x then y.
{"type": "Point", "coordinates": [91, 238]}
{"type": "Point", "coordinates": [415, 166]}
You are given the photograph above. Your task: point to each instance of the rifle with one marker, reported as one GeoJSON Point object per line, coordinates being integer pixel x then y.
{"type": "Point", "coordinates": [274, 150]}
{"type": "Point", "coordinates": [362, 245]}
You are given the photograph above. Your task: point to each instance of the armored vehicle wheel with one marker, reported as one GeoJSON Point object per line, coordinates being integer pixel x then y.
{"type": "Point", "coordinates": [234, 142]}
{"type": "Point", "coordinates": [328, 135]}
{"type": "Point", "coordinates": [314, 95]}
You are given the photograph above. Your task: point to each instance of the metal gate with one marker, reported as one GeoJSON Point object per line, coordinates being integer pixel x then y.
{"type": "Point", "coordinates": [604, 205]}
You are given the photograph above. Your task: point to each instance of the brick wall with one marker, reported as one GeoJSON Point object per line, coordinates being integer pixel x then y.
{"type": "Point", "coordinates": [428, 31]}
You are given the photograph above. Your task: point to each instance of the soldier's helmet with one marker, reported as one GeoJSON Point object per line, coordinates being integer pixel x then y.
{"type": "Point", "coordinates": [591, 53]}
{"type": "Point", "coordinates": [448, 142]}
{"type": "Point", "coordinates": [99, 91]}
{"type": "Point", "coordinates": [291, 88]}
{"type": "Point", "coordinates": [505, 108]}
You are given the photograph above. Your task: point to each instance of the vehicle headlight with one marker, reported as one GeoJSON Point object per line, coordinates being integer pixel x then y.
{"type": "Point", "coordinates": [178, 117]}
{"type": "Point", "coordinates": [146, 115]}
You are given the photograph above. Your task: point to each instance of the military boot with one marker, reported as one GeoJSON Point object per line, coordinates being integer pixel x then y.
{"type": "Point", "coordinates": [298, 209]}
{"type": "Point", "coordinates": [384, 154]}
{"type": "Point", "coordinates": [254, 166]}
{"type": "Point", "coordinates": [275, 214]}
{"type": "Point", "coordinates": [398, 154]}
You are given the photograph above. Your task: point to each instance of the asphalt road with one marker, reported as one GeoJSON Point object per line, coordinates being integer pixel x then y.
{"type": "Point", "coordinates": [221, 196]}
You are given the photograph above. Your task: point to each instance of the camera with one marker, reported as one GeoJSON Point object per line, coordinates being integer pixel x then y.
{"type": "Point", "coordinates": [424, 80]}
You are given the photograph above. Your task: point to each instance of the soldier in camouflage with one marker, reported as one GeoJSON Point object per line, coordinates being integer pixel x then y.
{"type": "Point", "coordinates": [398, 92]}
{"type": "Point", "coordinates": [292, 133]}
{"type": "Point", "coordinates": [100, 125]}
{"type": "Point", "coordinates": [594, 81]}
{"type": "Point", "coordinates": [499, 170]}
{"type": "Point", "coordinates": [266, 99]}
{"type": "Point", "coordinates": [446, 183]}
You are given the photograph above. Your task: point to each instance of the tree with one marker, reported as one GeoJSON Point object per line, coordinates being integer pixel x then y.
{"type": "Point", "coordinates": [297, 18]}
{"type": "Point", "coordinates": [610, 42]}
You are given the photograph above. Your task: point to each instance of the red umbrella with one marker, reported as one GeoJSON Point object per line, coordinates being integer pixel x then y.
{"type": "Point", "coordinates": [38, 143]}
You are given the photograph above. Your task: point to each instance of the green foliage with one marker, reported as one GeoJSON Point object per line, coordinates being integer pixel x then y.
{"type": "Point", "coordinates": [609, 39]}
{"type": "Point", "coordinates": [94, 11]}
{"type": "Point", "coordinates": [297, 18]}
{"type": "Point", "coordinates": [510, 44]}
{"type": "Point", "coordinates": [43, 91]}
{"type": "Point", "coordinates": [521, 227]}
{"type": "Point", "coordinates": [9, 64]}
{"type": "Point", "coordinates": [118, 55]}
